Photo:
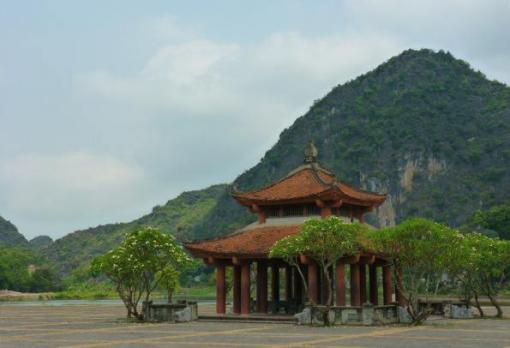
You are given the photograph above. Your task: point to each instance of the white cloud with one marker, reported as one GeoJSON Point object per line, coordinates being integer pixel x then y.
{"type": "Point", "coordinates": [226, 82]}
{"type": "Point", "coordinates": [68, 185]}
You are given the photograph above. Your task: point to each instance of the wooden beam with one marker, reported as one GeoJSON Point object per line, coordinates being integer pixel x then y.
{"type": "Point", "coordinates": [320, 203]}
{"type": "Point", "coordinates": [351, 259]}
{"type": "Point", "coordinates": [305, 260]}
{"type": "Point", "coordinates": [367, 259]}
{"type": "Point", "coordinates": [337, 204]}
{"type": "Point", "coordinates": [236, 260]}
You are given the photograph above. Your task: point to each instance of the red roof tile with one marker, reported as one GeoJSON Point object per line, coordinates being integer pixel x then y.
{"type": "Point", "coordinates": [252, 242]}
{"type": "Point", "coordinates": [308, 181]}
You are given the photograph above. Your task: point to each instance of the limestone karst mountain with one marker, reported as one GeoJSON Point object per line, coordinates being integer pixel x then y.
{"type": "Point", "coordinates": [423, 127]}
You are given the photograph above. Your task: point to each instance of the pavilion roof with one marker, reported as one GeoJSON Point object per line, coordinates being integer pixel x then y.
{"type": "Point", "coordinates": [308, 183]}
{"type": "Point", "coordinates": [253, 242]}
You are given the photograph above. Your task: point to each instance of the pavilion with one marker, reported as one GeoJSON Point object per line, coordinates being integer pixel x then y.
{"type": "Point", "coordinates": [308, 191]}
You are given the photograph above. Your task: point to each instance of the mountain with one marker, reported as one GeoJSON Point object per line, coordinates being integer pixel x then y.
{"type": "Point", "coordinates": [41, 242]}
{"type": "Point", "coordinates": [10, 236]}
{"type": "Point", "coordinates": [423, 127]}
{"type": "Point", "coordinates": [178, 216]}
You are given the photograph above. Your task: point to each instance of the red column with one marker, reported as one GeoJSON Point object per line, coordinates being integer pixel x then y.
{"type": "Point", "coordinates": [313, 282]}
{"type": "Point", "coordinates": [275, 284]}
{"type": "Point", "coordinates": [220, 289]}
{"type": "Point", "coordinates": [245, 288]}
{"type": "Point", "coordinates": [398, 292]}
{"type": "Point", "coordinates": [355, 285]}
{"type": "Point", "coordinates": [374, 291]}
{"type": "Point", "coordinates": [237, 290]}
{"type": "Point", "coordinates": [325, 212]}
{"type": "Point", "coordinates": [363, 282]}
{"type": "Point", "coordinates": [387, 287]}
{"type": "Point", "coordinates": [288, 283]}
{"type": "Point", "coordinates": [340, 283]}
{"type": "Point", "coordinates": [262, 287]}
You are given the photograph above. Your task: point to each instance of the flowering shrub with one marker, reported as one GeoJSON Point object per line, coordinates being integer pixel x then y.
{"type": "Point", "coordinates": [140, 264]}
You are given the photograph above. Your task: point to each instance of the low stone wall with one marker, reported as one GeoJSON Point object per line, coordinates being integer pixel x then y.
{"type": "Point", "coordinates": [180, 312]}
{"type": "Point", "coordinates": [448, 308]}
{"type": "Point", "coordinates": [369, 315]}
{"type": "Point", "coordinates": [364, 315]}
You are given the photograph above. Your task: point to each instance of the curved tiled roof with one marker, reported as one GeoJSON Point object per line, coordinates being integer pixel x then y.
{"type": "Point", "coordinates": [250, 242]}
{"type": "Point", "coordinates": [308, 181]}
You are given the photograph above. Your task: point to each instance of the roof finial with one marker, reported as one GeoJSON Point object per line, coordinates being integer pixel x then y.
{"type": "Point", "coordinates": [311, 153]}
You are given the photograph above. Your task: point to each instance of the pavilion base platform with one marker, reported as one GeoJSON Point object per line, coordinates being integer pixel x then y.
{"type": "Point", "coordinates": [367, 315]}
{"type": "Point", "coordinates": [251, 318]}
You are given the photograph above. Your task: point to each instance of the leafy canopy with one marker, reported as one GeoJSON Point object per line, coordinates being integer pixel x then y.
{"type": "Point", "coordinates": [324, 241]}
{"type": "Point", "coordinates": [422, 251]}
{"type": "Point", "coordinates": [140, 263]}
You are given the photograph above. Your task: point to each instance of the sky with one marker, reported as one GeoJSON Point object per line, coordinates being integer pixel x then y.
{"type": "Point", "coordinates": [110, 107]}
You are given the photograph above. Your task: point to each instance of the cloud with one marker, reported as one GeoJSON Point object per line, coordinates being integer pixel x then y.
{"type": "Point", "coordinates": [64, 186]}
{"type": "Point", "coordinates": [228, 82]}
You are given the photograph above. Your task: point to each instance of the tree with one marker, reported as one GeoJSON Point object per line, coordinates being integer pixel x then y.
{"type": "Point", "coordinates": [486, 269]}
{"type": "Point", "coordinates": [324, 241]}
{"type": "Point", "coordinates": [463, 270]}
{"type": "Point", "coordinates": [496, 219]}
{"type": "Point", "coordinates": [14, 264]}
{"type": "Point", "coordinates": [289, 249]}
{"type": "Point", "coordinates": [45, 279]}
{"type": "Point", "coordinates": [422, 251]}
{"type": "Point", "coordinates": [169, 280]}
{"type": "Point", "coordinates": [137, 265]}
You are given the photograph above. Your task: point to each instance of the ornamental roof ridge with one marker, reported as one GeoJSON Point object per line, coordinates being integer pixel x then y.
{"type": "Point", "coordinates": [315, 168]}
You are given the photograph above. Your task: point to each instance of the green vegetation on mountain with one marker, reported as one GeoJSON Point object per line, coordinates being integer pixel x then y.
{"type": "Point", "coordinates": [9, 235]}
{"type": "Point", "coordinates": [423, 127]}
{"type": "Point", "coordinates": [22, 269]}
{"type": "Point", "coordinates": [178, 216]}
{"type": "Point", "coordinates": [40, 242]}
{"type": "Point", "coordinates": [496, 219]}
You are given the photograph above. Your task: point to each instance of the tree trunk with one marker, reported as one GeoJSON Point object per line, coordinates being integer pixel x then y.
{"type": "Point", "coordinates": [169, 295]}
{"type": "Point", "coordinates": [329, 300]}
{"type": "Point", "coordinates": [302, 276]}
{"type": "Point", "coordinates": [494, 302]}
{"type": "Point", "coordinates": [478, 306]}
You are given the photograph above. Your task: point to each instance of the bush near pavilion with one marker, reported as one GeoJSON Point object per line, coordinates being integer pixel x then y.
{"type": "Point", "coordinates": [144, 261]}
{"type": "Point", "coordinates": [428, 255]}
{"type": "Point", "coordinates": [421, 251]}
{"type": "Point", "coordinates": [482, 270]}
{"type": "Point", "coordinates": [324, 241]}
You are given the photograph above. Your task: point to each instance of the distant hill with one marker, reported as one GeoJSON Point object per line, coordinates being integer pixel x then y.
{"type": "Point", "coordinates": [178, 216]}
{"type": "Point", "coordinates": [10, 236]}
{"type": "Point", "coordinates": [423, 127]}
{"type": "Point", "coordinates": [41, 242]}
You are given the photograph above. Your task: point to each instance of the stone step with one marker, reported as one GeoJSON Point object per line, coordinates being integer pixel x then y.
{"type": "Point", "coordinates": [249, 318]}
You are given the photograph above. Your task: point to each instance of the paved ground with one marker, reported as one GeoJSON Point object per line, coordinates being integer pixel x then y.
{"type": "Point", "coordinates": [103, 326]}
